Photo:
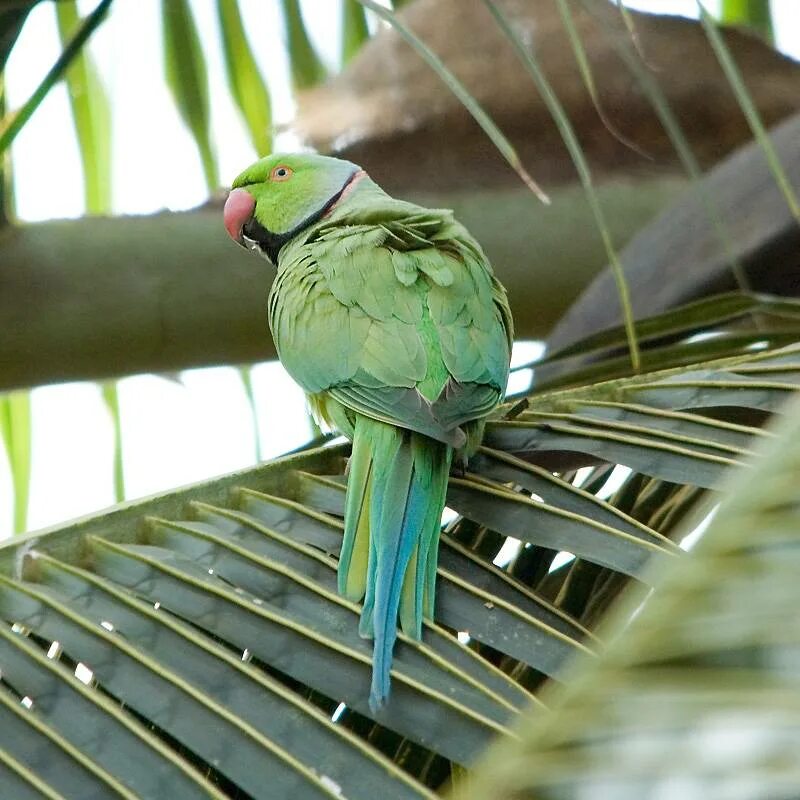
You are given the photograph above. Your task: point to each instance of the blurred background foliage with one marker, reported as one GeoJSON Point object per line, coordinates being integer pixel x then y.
{"type": "Point", "coordinates": [669, 243]}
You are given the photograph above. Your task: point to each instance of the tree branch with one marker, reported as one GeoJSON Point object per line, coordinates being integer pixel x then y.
{"type": "Point", "coordinates": [96, 297]}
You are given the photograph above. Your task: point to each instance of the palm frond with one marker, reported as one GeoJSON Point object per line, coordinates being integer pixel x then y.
{"type": "Point", "coordinates": [187, 77]}
{"type": "Point", "coordinates": [247, 87]}
{"type": "Point", "coordinates": [214, 609]}
{"type": "Point", "coordinates": [700, 688]}
{"type": "Point", "coordinates": [355, 30]}
{"type": "Point", "coordinates": [306, 67]}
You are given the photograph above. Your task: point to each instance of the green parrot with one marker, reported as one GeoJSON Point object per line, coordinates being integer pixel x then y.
{"type": "Point", "coordinates": [390, 318]}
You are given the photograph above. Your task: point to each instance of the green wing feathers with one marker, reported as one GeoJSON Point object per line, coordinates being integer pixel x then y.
{"type": "Point", "coordinates": [404, 301]}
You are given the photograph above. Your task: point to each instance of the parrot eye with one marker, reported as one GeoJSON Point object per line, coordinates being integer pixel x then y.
{"type": "Point", "coordinates": [280, 173]}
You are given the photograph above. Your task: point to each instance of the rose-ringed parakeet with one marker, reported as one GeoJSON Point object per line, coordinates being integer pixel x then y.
{"type": "Point", "coordinates": [389, 317]}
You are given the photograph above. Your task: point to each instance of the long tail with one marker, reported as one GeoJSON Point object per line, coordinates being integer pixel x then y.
{"type": "Point", "coordinates": [395, 495]}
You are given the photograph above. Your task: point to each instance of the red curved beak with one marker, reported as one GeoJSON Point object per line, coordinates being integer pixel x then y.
{"type": "Point", "coordinates": [238, 210]}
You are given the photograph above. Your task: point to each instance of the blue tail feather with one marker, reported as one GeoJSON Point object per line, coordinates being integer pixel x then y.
{"type": "Point", "coordinates": [405, 496]}
{"type": "Point", "coordinates": [397, 540]}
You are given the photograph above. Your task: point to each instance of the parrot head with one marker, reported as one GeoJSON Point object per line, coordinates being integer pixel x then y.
{"type": "Point", "coordinates": [281, 195]}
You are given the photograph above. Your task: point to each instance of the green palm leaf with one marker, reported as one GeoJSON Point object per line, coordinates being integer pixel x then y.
{"type": "Point", "coordinates": [187, 77]}
{"type": "Point", "coordinates": [355, 30]}
{"type": "Point", "coordinates": [247, 87]}
{"type": "Point", "coordinates": [306, 67]}
{"type": "Point", "coordinates": [15, 431]}
{"type": "Point", "coordinates": [700, 690]}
